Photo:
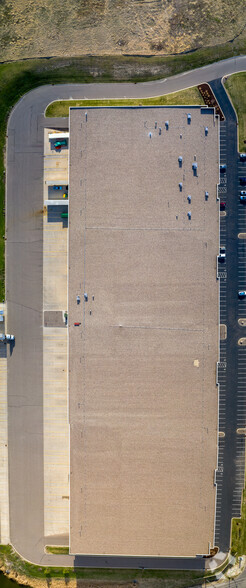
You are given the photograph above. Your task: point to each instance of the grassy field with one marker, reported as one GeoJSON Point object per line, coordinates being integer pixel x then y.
{"type": "Point", "coordinates": [238, 535]}
{"type": "Point", "coordinates": [190, 96]}
{"type": "Point", "coordinates": [115, 27]}
{"type": "Point", "coordinates": [146, 578]}
{"type": "Point", "coordinates": [236, 87]}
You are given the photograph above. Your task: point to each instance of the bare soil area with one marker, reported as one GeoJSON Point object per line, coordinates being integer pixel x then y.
{"type": "Point", "coordinates": [154, 582]}
{"type": "Point", "coordinates": [108, 27]}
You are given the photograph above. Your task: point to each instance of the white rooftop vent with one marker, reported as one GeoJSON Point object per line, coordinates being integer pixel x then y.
{"type": "Point", "coordinates": [206, 131]}
{"type": "Point", "coordinates": [188, 119]}
{"type": "Point", "coordinates": [180, 160]}
{"type": "Point", "coordinates": [194, 167]}
{"type": "Point", "coordinates": [167, 124]}
{"type": "Point", "coordinates": [180, 186]}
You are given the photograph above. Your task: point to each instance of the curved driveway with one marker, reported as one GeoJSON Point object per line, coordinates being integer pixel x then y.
{"type": "Point", "coordinates": [24, 295]}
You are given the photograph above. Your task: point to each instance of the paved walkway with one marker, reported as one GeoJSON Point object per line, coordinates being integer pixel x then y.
{"type": "Point", "coordinates": [56, 433]}
{"type": "Point", "coordinates": [55, 397]}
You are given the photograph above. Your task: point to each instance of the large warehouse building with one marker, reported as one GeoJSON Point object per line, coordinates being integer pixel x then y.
{"type": "Point", "coordinates": [143, 330]}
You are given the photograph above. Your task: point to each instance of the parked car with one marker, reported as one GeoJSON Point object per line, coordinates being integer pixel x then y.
{"type": "Point", "coordinates": [223, 168]}
{"type": "Point", "coordinates": [242, 197]}
{"type": "Point", "coordinates": [59, 144]}
{"type": "Point", "coordinates": [242, 156]}
{"type": "Point", "coordinates": [57, 187]}
{"type": "Point", "coordinates": [222, 205]}
{"type": "Point", "coordinates": [242, 293]}
{"type": "Point", "coordinates": [242, 181]}
{"type": "Point", "coordinates": [243, 193]}
{"type": "Point", "coordinates": [222, 254]}
{"type": "Point", "coordinates": [9, 337]}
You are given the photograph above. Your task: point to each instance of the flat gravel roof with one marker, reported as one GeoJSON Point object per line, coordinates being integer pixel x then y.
{"type": "Point", "coordinates": [143, 335]}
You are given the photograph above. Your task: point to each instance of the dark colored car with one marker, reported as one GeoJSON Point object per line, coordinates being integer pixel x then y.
{"type": "Point", "coordinates": [242, 294]}
{"type": "Point", "coordinates": [222, 205]}
{"type": "Point", "coordinates": [223, 168]}
{"type": "Point", "coordinates": [222, 254]}
{"type": "Point", "coordinates": [242, 181]}
{"type": "Point", "coordinates": [242, 197]}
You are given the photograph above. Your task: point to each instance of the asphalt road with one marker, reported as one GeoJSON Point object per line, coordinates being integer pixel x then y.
{"type": "Point", "coordinates": [226, 477]}
{"type": "Point", "coordinates": [232, 379]}
{"type": "Point", "coordinates": [24, 285]}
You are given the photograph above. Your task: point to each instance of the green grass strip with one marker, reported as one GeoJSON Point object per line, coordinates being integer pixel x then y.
{"type": "Point", "coordinates": [238, 535]}
{"type": "Point", "coordinates": [61, 549]}
{"type": "Point", "coordinates": [236, 87]}
{"type": "Point", "coordinates": [190, 96]}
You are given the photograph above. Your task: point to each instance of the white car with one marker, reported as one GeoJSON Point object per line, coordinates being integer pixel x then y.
{"type": "Point", "coordinates": [242, 293]}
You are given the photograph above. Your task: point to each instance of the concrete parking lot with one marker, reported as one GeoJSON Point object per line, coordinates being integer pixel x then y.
{"type": "Point", "coordinates": [55, 397]}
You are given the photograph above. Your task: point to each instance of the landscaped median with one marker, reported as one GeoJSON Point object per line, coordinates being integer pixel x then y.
{"type": "Point", "coordinates": [236, 88]}
{"type": "Point", "coordinates": [57, 549]}
{"type": "Point", "coordinates": [238, 531]}
{"type": "Point", "coordinates": [185, 97]}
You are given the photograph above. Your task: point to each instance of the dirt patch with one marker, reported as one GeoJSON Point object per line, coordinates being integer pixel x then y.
{"type": "Point", "coordinates": [111, 27]}
{"type": "Point", "coordinates": [209, 99]}
{"type": "Point", "coordinates": [74, 583]}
